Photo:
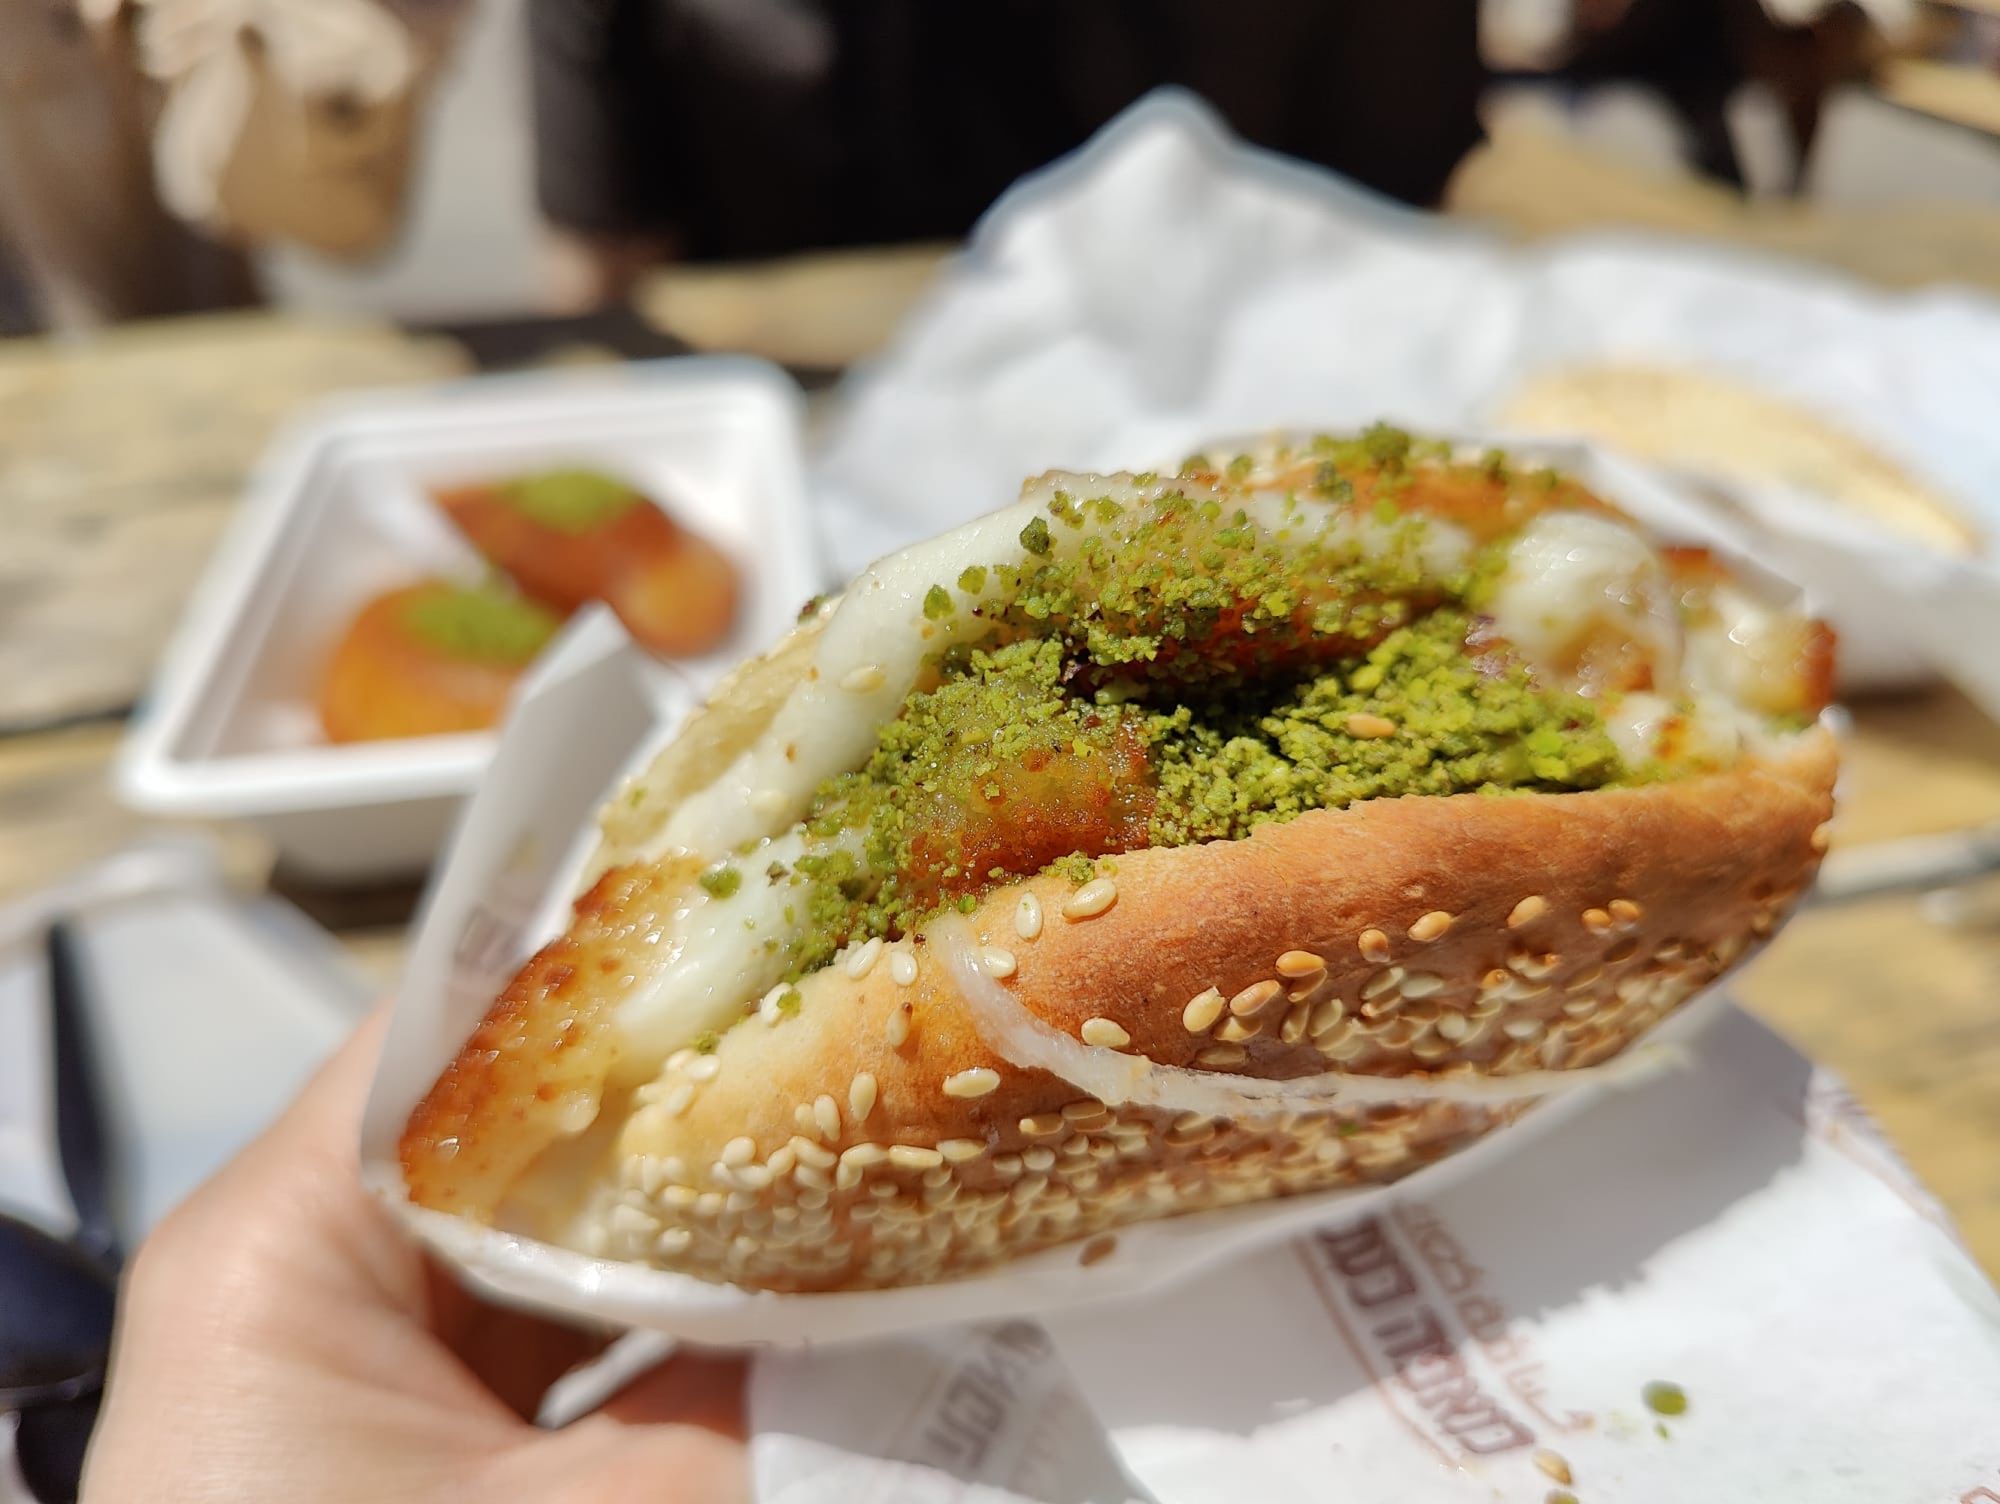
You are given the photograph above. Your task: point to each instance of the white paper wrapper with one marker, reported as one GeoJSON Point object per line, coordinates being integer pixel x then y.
{"type": "Point", "coordinates": [1738, 1229]}
{"type": "Point", "coordinates": [1168, 284]}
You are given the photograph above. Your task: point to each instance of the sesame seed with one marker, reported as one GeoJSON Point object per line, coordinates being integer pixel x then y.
{"type": "Point", "coordinates": [862, 959]}
{"type": "Point", "coordinates": [912, 1157]}
{"type": "Point", "coordinates": [768, 1009]}
{"type": "Point", "coordinates": [674, 1240]}
{"type": "Point", "coordinates": [1237, 1030]}
{"type": "Point", "coordinates": [1028, 917]}
{"type": "Point", "coordinates": [1586, 978]}
{"type": "Point", "coordinates": [1092, 899]}
{"type": "Point", "coordinates": [1624, 950]}
{"type": "Point", "coordinates": [1296, 965]}
{"type": "Point", "coordinates": [1038, 1159]}
{"type": "Point", "coordinates": [1006, 1166]}
{"type": "Point", "coordinates": [826, 1116]}
{"type": "Point", "coordinates": [702, 1068]}
{"type": "Point", "coordinates": [739, 1151]}
{"type": "Point", "coordinates": [1453, 1026]}
{"type": "Point", "coordinates": [681, 1058]}
{"type": "Point", "coordinates": [1384, 1006]}
{"type": "Point", "coordinates": [864, 1156]}
{"type": "Point", "coordinates": [902, 968]}
{"type": "Point", "coordinates": [1105, 1033]}
{"type": "Point", "coordinates": [870, 676]}
{"type": "Point", "coordinates": [1553, 1464]}
{"type": "Point", "coordinates": [1422, 984]}
{"type": "Point", "coordinates": [1625, 913]}
{"type": "Point", "coordinates": [1534, 967]}
{"type": "Point", "coordinates": [1254, 997]}
{"type": "Point", "coordinates": [1431, 926]}
{"type": "Point", "coordinates": [1374, 946]}
{"type": "Point", "coordinates": [1202, 1011]}
{"type": "Point", "coordinates": [1086, 1112]}
{"type": "Point", "coordinates": [976, 1082]}
{"type": "Point", "coordinates": [1370, 727]}
{"type": "Point", "coordinates": [782, 1159]}
{"type": "Point", "coordinates": [1325, 1016]}
{"type": "Point", "coordinates": [1294, 1027]}
{"type": "Point", "coordinates": [1381, 982]}
{"type": "Point", "coordinates": [999, 963]}
{"type": "Point", "coordinates": [754, 1177]}
{"type": "Point", "coordinates": [1522, 1028]}
{"type": "Point", "coordinates": [1222, 1056]}
{"type": "Point", "coordinates": [1527, 911]}
{"type": "Point", "coordinates": [897, 1029]}
{"type": "Point", "coordinates": [1042, 1125]}
{"type": "Point", "coordinates": [959, 1151]}
{"type": "Point", "coordinates": [861, 1095]}
{"type": "Point", "coordinates": [811, 1152]}
{"type": "Point", "coordinates": [676, 1101]}
{"type": "Point", "coordinates": [1822, 837]}
{"type": "Point", "coordinates": [1596, 921]}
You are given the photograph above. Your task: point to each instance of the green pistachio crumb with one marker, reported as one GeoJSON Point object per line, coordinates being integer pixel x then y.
{"type": "Point", "coordinates": [1665, 1398]}
{"type": "Point", "coordinates": [481, 622]}
{"type": "Point", "coordinates": [721, 882]}
{"type": "Point", "coordinates": [938, 603]}
{"type": "Point", "coordinates": [571, 501]}
{"type": "Point", "coordinates": [1035, 537]}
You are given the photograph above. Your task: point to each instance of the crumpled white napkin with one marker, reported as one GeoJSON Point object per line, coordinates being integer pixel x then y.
{"type": "Point", "coordinates": [1168, 285]}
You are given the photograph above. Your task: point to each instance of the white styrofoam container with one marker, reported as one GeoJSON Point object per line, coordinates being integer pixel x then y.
{"type": "Point", "coordinates": [338, 512]}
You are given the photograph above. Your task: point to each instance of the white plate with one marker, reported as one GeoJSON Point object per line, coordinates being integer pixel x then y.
{"type": "Point", "coordinates": [338, 513]}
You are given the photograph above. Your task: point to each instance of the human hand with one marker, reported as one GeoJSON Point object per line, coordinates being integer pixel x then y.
{"type": "Point", "coordinates": [280, 1338]}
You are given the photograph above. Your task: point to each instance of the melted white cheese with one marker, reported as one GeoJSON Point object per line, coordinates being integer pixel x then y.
{"type": "Point", "coordinates": [1570, 575]}
{"type": "Point", "coordinates": [718, 953]}
{"type": "Point", "coordinates": [1748, 652]}
{"type": "Point", "coordinates": [1634, 723]}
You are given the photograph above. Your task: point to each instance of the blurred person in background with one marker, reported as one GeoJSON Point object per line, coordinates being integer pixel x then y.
{"type": "Point", "coordinates": [720, 129]}
{"type": "Point", "coordinates": [145, 145]}
{"type": "Point", "coordinates": [1697, 55]}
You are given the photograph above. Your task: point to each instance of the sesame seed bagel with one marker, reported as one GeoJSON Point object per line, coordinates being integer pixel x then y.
{"type": "Point", "coordinates": [1286, 824]}
{"type": "Point", "coordinates": [876, 1139]}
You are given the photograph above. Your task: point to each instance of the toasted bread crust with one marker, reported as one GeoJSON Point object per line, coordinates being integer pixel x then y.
{"type": "Point", "coordinates": [1493, 934]}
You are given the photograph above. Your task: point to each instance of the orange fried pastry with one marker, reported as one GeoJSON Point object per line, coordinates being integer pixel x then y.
{"type": "Point", "coordinates": [430, 658]}
{"type": "Point", "coordinates": [570, 536]}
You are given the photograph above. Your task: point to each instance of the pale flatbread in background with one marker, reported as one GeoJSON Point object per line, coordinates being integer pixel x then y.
{"type": "Point", "coordinates": [1721, 429]}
